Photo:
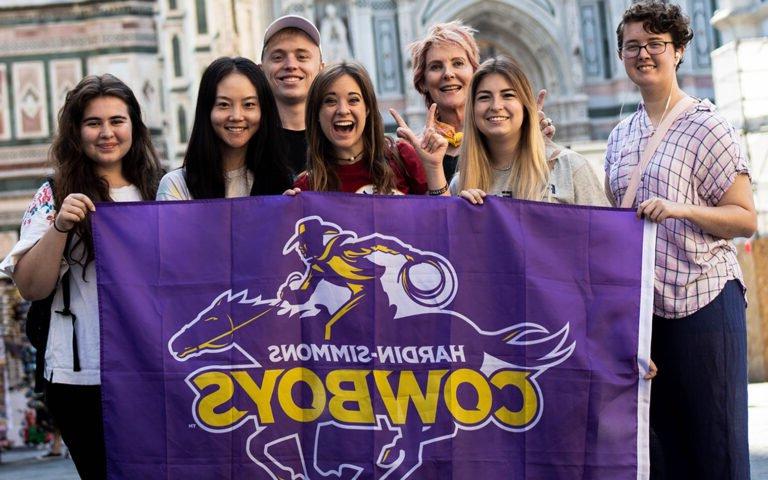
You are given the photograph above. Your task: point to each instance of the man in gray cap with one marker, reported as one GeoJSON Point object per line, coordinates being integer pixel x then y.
{"type": "Point", "coordinates": [291, 59]}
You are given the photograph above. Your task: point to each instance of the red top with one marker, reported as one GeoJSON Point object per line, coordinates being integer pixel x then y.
{"type": "Point", "coordinates": [356, 178]}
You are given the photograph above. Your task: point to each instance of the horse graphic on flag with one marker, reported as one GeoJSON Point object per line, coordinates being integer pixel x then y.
{"type": "Point", "coordinates": [342, 360]}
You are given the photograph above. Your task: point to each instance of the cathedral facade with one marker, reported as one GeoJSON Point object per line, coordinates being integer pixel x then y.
{"type": "Point", "coordinates": [566, 46]}
{"type": "Point", "coordinates": [160, 48]}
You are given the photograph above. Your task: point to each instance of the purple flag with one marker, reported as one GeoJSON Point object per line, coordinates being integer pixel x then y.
{"type": "Point", "coordinates": [334, 336]}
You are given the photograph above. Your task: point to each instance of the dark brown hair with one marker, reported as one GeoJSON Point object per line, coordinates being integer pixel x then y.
{"type": "Point", "coordinates": [378, 149]}
{"type": "Point", "coordinates": [658, 17]}
{"type": "Point", "coordinates": [74, 172]}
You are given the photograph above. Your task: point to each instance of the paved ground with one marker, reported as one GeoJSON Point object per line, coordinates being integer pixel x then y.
{"type": "Point", "coordinates": [758, 430]}
{"type": "Point", "coordinates": [23, 464]}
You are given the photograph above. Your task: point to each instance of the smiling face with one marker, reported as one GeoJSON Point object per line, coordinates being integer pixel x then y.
{"type": "Point", "coordinates": [291, 62]}
{"type": "Point", "coordinates": [650, 71]}
{"type": "Point", "coordinates": [498, 113]}
{"type": "Point", "coordinates": [235, 115]}
{"type": "Point", "coordinates": [343, 115]}
{"type": "Point", "coordinates": [106, 132]}
{"type": "Point", "coordinates": [447, 76]}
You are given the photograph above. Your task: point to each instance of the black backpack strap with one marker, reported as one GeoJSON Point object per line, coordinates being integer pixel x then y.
{"type": "Point", "coordinates": [68, 313]}
{"type": "Point", "coordinates": [66, 298]}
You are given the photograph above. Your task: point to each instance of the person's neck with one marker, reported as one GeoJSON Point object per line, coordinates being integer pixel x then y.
{"type": "Point", "coordinates": [232, 160]}
{"type": "Point", "coordinates": [292, 115]}
{"type": "Point", "coordinates": [502, 152]}
{"type": "Point", "coordinates": [659, 101]}
{"type": "Point", "coordinates": [453, 117]}
{"type": "Point", "coordinates": [114, 177]}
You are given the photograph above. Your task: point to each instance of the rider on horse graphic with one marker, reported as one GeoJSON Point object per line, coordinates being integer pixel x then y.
{"type": "Point", "coordinates": [353, 265]}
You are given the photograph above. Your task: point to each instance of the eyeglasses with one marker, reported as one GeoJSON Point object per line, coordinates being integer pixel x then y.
{"type": "Point", "coordinates": [657, 47]}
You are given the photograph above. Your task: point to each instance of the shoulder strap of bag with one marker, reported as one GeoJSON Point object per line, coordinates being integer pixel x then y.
{"type": "Point", "coordinates": [66, 300]}
{"type": "Point", "coordinates": [68, 313]}
{"type": "Point", "coordinates": [653, 144]}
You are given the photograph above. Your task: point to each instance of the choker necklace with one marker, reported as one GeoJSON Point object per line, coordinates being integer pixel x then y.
{"type": "Point", "coordinates": [505, 169]}
{"type": "Point", "coordinates": [350, 160]}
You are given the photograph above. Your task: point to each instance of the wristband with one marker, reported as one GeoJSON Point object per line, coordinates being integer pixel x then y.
{"type": "Point", "coordinates": [439, 191]}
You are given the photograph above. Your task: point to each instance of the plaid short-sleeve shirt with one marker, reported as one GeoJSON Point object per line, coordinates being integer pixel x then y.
{"type": "Point", "coordinates": [697, 161]}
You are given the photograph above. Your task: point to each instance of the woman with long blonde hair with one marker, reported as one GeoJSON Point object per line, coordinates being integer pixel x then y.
{"type": "Point", "coordinates": [503, 150]}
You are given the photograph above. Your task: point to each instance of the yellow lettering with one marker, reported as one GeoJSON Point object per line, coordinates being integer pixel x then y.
{"type": "Point", "coordinates": [357, 395]}
{"type": "Point", "coordinates": [206, 407]}
{"type": "Point", "coordinates": [285, 394]}
{"type": "Point", "coordinates": [409, 390]}
{"type": "Point", "coordinates": [261, 395]}
{"type": "Point", "coordinates": [519, 380]}
{"type": "Point", "coordinates": [484, 401]}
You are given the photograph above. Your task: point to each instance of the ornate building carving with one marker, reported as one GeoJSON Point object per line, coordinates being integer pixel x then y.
{"type": "Point", "coordinates": [46, 47]}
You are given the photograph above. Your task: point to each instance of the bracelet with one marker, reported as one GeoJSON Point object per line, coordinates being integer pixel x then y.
{"type": "Point", "coordinates": [58, 229]}
{"type": "Point", "coordinates": [439, 191]}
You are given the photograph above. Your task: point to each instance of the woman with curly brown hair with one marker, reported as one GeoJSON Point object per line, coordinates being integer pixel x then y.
{"type": "Point", "coordinates": [695, 185]}
{"type": "Point", "coordinates": [101, 153]}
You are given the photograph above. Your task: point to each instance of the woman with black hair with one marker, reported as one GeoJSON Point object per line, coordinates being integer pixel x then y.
{"type": "Point", "coordinates": [232, 151]}
{"type": "Point", "coordinates": [101, 153]}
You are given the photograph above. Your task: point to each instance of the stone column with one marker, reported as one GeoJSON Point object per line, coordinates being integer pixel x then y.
{"type": "Point", "coordinates": [410, 31]}
{"type": "Point", "coordinates": [361, 31]}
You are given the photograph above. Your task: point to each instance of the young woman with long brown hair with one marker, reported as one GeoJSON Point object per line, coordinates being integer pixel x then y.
{"type": "Point", "coordinates": [348, 150]}
{"type": "Point", "coordinates": [101, 153]}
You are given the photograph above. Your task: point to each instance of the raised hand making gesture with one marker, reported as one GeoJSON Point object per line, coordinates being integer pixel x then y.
{"type": "Point", "coordinates": [431, 148]}
{"type": "Point", "coordinates": [545, 123]}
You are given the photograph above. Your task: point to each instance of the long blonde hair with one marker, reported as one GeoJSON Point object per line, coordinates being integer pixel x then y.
{"type": "Point", "coordinates": [530, 172]}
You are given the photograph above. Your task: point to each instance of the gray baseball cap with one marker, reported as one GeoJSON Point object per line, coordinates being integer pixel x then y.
{"type": "Point", "coordinates": [291, 21]}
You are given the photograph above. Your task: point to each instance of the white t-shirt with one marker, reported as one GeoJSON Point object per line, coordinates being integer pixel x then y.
{"type": "Point", "coordinates": [83, 296]}
{"type": "Point", "coordinates": [173, 185]}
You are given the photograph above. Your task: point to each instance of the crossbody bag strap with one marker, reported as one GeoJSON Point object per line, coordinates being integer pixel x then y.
{"type": "Point", "coordinates": [653, 144]}
{"type": "Point", "coordinates": [65, 287]}
{"type": "Point", "coordinates": [66, 297]}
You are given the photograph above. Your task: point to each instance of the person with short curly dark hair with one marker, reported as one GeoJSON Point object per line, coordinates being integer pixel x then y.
{"type": "Point", "coordinates": [696, 188]}
{"type": "Point", "coordinates": [658, 17]}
